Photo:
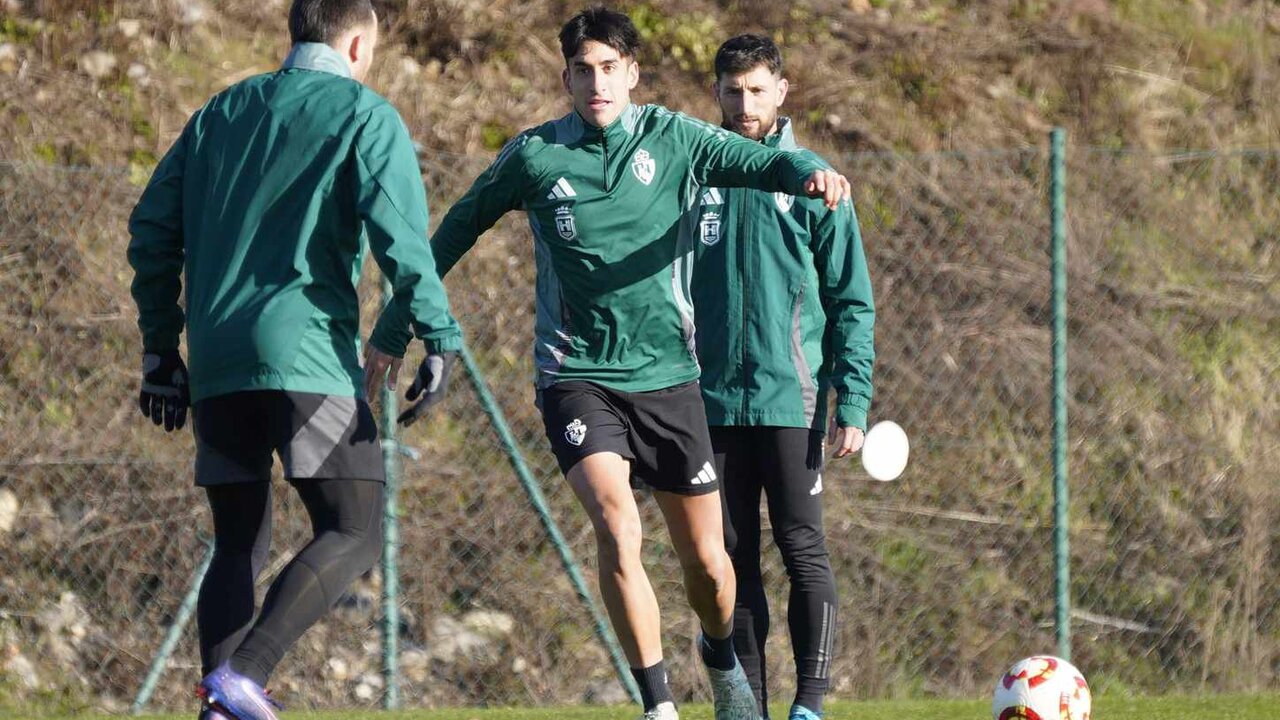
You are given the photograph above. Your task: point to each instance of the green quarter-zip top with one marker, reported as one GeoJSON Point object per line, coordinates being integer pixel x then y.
{"type": "Point", "coordinates": [613, 236]}
{"type": "Point", "coordinates": [784, 307]}
{"type": "Point", "coordinates": [268, 200]}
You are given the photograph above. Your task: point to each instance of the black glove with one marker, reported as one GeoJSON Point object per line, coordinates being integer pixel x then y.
{"type": "Point", "coordinates": [165, 394]}
{"type": "Point", "coordinates": [431, 382]}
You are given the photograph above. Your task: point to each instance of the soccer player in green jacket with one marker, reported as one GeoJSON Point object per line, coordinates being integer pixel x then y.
{"type": "Point", "coordinates": [268, 201]}
{"type": "Point", "coordinates": [607, 189]}
{"type": "Point", "coordinates": [784, 310]}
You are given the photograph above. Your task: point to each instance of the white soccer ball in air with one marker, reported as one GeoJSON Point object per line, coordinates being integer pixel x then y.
{"type": "Point", "coordinates": [1042, 687]}
{"type": "Point", "coordinates": [885, 450]}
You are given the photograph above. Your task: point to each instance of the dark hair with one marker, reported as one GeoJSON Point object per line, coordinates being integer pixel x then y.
{"type": "Point", "coordinates": [745, 53]}
{"type": "Point", "coordinates": [324, 21]}
{"type": "Point", "coordinates": [603, 25]}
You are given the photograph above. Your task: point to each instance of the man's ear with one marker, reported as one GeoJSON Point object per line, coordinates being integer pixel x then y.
{"type": "Point", "coordinates": [783, 86]}
{"type": "Point", "coordinates": [355, 46]}
{"type": "Point", "coordinates": [633, 75]}
{"type": "Point", "coordinates": [564, 79]}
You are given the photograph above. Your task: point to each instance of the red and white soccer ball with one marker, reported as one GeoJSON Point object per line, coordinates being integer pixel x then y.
{"type": "Point", "coordinates": [1042, 687]}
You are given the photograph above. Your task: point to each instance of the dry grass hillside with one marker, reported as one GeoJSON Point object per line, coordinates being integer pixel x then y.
{"type": "Point", "coordinates": [906, 75]}
{"type": "Point", "coordinates": [939, 112]}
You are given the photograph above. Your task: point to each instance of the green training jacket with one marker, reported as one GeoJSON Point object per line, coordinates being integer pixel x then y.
{"type": "Point", "coordinates": [613, 235]}
{"type": "Point", "coordinates": [784, 307]}
{"type": "Point", "coordinates": [268, 200]}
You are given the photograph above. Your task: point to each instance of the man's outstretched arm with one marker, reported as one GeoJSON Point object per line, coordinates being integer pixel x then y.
{"type": "Point", "coordinates": [499, 190]}
{"type": "Point", "coordinates": [720, 158]}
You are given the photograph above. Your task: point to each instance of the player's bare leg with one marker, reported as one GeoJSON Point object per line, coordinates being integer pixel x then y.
{"type": "Point", "coordinates": [602, 482]}
{"type": "Point", "coordinates": [696, 525]}
{"type": "Point", "coordinates": [603, 486]}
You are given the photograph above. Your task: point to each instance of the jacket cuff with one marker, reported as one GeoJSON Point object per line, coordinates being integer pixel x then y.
{"type": "Point", "coordinates": [851, 411]}
{"type": "Point", "coordinates": [449, 343]}
{"type": "Point", "coordinates": [390, 340]}
{"type": "Point", "coordinates": [160, 343]}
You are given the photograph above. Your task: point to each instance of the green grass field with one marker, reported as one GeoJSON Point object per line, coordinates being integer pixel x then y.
{"type": "Point", "coordinates": [1210, 707]}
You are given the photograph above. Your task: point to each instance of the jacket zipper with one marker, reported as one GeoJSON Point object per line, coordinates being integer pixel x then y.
{"type": "Point", "coordinates": [604, 152]}
{"type": "Point", "coordinates": [744, 198]}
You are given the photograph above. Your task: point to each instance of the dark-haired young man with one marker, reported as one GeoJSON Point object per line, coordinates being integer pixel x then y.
{"type": "Point", "coordinates": [264, 201]}
{"type": "Point", "coordinates": [607, 188]}
{"type": "Point", "coordinates": [784, 309]}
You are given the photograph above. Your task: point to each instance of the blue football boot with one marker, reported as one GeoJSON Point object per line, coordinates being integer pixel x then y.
{"type": "Point", "coordinates": [229, 693]}
{"type": "Point", "coordinates": [800, 712]}
{"type": "Point", "coordinates": [732, 698]}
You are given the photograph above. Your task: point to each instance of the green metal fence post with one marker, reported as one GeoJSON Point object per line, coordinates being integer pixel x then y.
{"type": "Point", "coordinates": [539, 502]}
{"type": "Point", "coordinates": [174, 634]}
{"type": "Point", "coordinates": [1061, 516]}
{"type": "Point", "coordinates": [390, 543]}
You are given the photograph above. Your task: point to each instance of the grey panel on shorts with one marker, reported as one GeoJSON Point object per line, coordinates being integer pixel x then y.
{"type": "Point", "coordinates": [316, 436]}
{"type": "Point", "coordinates": [306, 452]}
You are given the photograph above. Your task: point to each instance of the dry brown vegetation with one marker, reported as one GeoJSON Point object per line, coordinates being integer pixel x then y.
{"type": "Point", "coordinates": [868, 74]}
{"type": "Point", "coordinates": [946, 575]}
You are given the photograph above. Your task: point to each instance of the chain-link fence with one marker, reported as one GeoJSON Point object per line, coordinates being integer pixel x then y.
{"type": "Point", "coordinates": [1175, 403]}
{"type": "Point", "coordinates": [945, 576]}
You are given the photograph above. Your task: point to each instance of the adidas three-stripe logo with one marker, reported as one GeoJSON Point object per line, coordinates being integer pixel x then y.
{"type": "Point", "coordinates": [561, 190]}
{"type": "Point", "coordinates": [712, 197]}
{"type": "Point", "coordinates": [704, 476]}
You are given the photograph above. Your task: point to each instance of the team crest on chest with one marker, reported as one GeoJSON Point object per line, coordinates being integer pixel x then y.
{"type": "Point", "coordinates": [783, 201]}
{"type": "Point", "coordinates": [566, 227]}
{"type": "Point", "coordinates": [709, 228]}
{"type": "Point", "coordinates": [643, 166]}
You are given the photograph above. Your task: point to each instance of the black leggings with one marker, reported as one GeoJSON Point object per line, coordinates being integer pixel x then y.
{"type": "Point", "coordinates": [346, 517]}
{"type": "Point", "coordinates": [786, 464]}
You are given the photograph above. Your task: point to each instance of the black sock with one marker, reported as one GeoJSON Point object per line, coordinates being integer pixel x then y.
{"type": "Point", "coordinates": [717, 653]}
{"type": "Point", "coordinates": [653, 685]}
{"type": "Point", "coordinates": [251, 668]}
{"type": "Point", "coordinates": [810, 691]}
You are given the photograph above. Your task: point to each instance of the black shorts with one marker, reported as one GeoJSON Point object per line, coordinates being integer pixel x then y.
{"type": "Point", "coordinates": [316, 436]}
{"type": "Point", "coordinates": [663, 433]}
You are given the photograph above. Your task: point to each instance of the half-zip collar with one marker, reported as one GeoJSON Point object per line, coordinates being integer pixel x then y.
{"type": "Point", "coordinates": [784, 138]}
{"type": "Point", "coordinates": [318, 57]}
{"type": "Point", "coordinates": [622, 127]}
{"type": "Point", "coordinates": [610, 138]}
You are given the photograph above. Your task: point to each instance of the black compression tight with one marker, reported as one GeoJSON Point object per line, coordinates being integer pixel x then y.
{"type": "Point", "coordinates": [346, 518]}
{"type": "Point", "coordinates": [784, 464]}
